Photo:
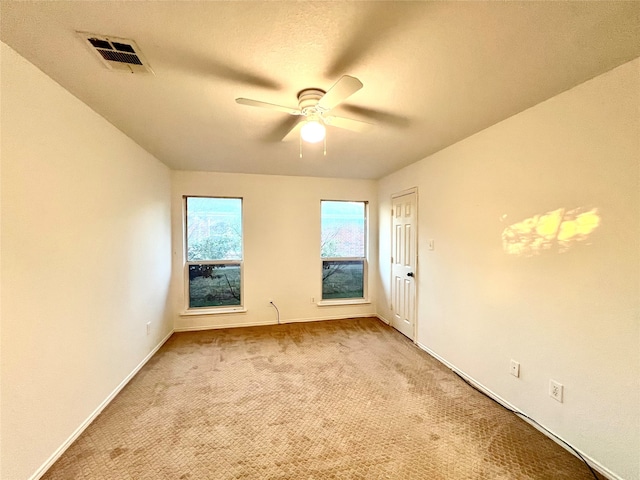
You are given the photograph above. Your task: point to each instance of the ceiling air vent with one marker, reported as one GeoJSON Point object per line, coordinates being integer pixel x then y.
{"type": "Point", "coordinates": [117, 53]}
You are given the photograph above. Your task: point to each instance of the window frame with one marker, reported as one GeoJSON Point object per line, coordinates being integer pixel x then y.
{"type": "Point", "coordinates": [364, 259]}
{"type": "Point", "coordinates": [188, 309]}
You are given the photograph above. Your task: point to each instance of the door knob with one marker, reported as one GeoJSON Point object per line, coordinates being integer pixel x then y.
{"type": "Point", "coordinates": [410, 274]}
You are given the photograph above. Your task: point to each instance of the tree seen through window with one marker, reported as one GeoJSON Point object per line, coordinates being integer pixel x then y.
{"type": "Point", "coordinates": [343, 249]}
{"type": "Point", "coordinates": [214, 251]}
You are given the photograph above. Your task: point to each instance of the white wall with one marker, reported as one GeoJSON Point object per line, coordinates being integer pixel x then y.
{"type": "Point", "coordinates": [281, 244]}
{"type": "Point", "coordinates": [572, 316]}
{"type": "Point", "coordinates": [85, 263]}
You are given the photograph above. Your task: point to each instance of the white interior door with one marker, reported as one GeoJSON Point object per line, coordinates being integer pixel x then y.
{"type": "Point", "coordinates": [403, 263]}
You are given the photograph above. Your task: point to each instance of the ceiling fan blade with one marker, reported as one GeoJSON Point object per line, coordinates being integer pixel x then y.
{"type": "Point", "coordinates": [342, 89]}
{"type": "Point", "coordinates": [380, 116]}
{"type": "Point", "coordinates": [204, 64]}
{"type": "Point", "coordinates": [375, 24]}
{"type": "Point", "coordinates": [294, 133]}
{"type": "Point", "coordinates": [281, 130]}
{"type": "Point", "coordinates": [348, 124]}
{"type": "Point", "coordinates": [280, 108]}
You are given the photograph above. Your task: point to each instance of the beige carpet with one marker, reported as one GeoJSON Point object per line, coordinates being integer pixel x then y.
{"type": "Point", "coordinates": [348, 399]}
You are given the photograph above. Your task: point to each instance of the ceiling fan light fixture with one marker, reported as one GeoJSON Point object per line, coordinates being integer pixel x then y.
{"type": "Point", "coordinates": [312, 131]}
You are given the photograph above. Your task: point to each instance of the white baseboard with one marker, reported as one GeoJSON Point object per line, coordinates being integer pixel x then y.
{"type": "Point", "coordinates": [547, 432]}
{"type": "Point", "coordinates": [382, 319]}
{"type": "Point", "coordinates": [217, 326]}
{"type": "Point", "coordinates": [67, 443]}
{"type": "Point", "coordinates": [328, 318]}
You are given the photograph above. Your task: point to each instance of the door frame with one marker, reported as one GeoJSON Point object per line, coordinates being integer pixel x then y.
{"type": "Point", "coordinates": [402, 193]}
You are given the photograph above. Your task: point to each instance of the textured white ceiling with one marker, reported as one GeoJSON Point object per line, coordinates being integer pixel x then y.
{"type": "Point", "coordinates": [433, 72]}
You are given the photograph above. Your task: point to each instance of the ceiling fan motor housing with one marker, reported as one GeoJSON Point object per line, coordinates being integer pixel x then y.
{"type": "Point", "coordinates": [308, 100]}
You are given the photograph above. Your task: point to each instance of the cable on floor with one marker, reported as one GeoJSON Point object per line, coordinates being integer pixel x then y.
{"type": "Point", "coordinates": [520, 414]}
{"type": "Point", "coordinates": [278, 311]}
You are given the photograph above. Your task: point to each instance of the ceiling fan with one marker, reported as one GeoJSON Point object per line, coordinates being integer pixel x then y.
{"type": "Point", "coordinates": [314, 105]}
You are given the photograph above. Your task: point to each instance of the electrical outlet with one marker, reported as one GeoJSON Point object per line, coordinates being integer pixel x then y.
{"type": "Point", "coordinates": [148, 328]}
{"type": "Point", "coordinates": [313, 300]}
{"type": "Point", "coordinates": [514, 369]}
{"type": "Point", "coordinates": [556, 390]}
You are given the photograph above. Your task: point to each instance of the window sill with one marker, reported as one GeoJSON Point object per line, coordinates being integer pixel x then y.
{"type": "Point", "coordinates": [345, 301]}
{"type": "Point", "coordinates": [212, 311]}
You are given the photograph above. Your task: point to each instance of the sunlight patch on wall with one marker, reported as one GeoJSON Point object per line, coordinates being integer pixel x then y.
{"type": "Point", "coordinates": [558, 230]}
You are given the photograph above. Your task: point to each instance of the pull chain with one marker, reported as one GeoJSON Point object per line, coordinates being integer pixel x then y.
{"type": "Point", "coordinates": [324, 143]}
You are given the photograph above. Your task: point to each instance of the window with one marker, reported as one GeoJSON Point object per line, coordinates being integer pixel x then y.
{"type": "Point", "coordinates": [343, 249]}
{"type": "Point", "coordinates": [213, 252]}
